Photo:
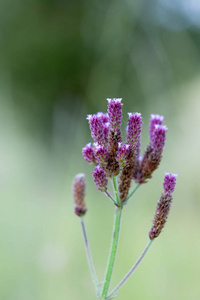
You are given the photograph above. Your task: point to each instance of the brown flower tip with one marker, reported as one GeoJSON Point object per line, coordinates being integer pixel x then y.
{"type": "Point", "coordinates": [79, 194]}
{"type": "Point", "coordinates": [127, 174]}
{"type": "Point", "coordinates": [161, 214]}
{"type": "Point", "coordinates": [163, 206]}
{"type": "Point", "coordinates": [114, 138]}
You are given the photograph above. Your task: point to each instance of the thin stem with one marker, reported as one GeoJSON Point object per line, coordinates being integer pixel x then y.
{"type": "Point", "coordinates": [126, 277]}
{"type": "Point", "coordinates": [89, 258]}
{"type": "Point", "coordinates": [113, 251]}
{"type": "Point", "coordinates": [133, 191]}
{"type": "Point", "coordinates": [116, 190]}
{"type": "Point", "coordinates": [110, 197]}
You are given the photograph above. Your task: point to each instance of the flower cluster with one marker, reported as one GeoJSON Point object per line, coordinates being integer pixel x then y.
{"type": "Point", "coordinates": [120, 160]}
{"type": "Point", "coordinates": [111, 156]}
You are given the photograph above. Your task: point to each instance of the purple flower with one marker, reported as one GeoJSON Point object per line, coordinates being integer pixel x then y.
{"type": "Point", "coordinates": [103, 117]}
{"type": "Point", "coordinates": [115, 113]}
{"type": "Point", "coordinates": [154, 120]}
{"type": "Point", "coordinates": [97, 127]}
{"type": "Point", "coordinates": [100, 179]}
{"type": "Point", "coordinates": [158, 139]}
{"type": "Point", "coordinates": [122, 154]}
{"type": "Point", "coordinates": [101, 154]}
{"type": "Point", "coordinates": [163, 206]}
{"type": "Point", "coordinates": [134, 128]}
{"type": "Point", "coordinates": [169, 183]}
{"type": "Point", "coordinates": [88, 154]}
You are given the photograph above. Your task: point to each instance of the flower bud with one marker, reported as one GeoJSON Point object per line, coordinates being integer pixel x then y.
{"type": "Point", "coordinates": [79, 194]}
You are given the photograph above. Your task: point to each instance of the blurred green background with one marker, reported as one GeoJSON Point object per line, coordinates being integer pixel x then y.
{"type": "Point", "coordinates": [59, 61]}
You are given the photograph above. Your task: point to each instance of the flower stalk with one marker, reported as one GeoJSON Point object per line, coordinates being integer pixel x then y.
{"type": "Point", "coordinates": [127, 276]}
{"type": "Point", "coordinates": [113, 251]}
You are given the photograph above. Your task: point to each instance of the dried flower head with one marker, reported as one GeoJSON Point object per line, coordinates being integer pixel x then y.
{"type": "Point", "coordinates": [153, 154]}
{"type": "Point", "coordinates": [79, 194]}
{"type": "Point", "coordinates": [163, 206]}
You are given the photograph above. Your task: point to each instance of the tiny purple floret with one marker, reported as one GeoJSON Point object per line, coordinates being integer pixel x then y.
{"type": "Point", "coordinates": [88, 154]}
{"type": "Point", "coordinates": [101, 154]}
{"type": "Point", "coordinates": [104, 117]}
{"type": "Point", "coordinates": [169, 183]}
{"type": "Point", "coordinates": [100, 179]}
{"type": "Point", "coordinates": [115, 113]}
{"type": "Point", "coordinates": [154, 120]}
{"type": "Point", "coordinates": [122, 154]}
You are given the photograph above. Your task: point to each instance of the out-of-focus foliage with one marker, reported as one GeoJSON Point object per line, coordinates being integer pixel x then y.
{"type": "Point", "coordinates": [59, 61]}
{"type": "Point", "coordinates": [63, 53]}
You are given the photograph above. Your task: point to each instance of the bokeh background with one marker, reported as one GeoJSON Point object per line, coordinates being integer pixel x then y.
{"type": "Point", "coordinates": [59, 61]}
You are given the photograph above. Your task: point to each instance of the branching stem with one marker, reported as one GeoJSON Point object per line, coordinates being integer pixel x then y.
{"type": "Point", "coordinates": [131, 193]}
{"type": "Point", "coordinates": [126, 277]}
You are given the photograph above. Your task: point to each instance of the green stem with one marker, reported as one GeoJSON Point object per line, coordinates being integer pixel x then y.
{"type": "Point", "coordinates": [133, 191]}
{"type": "Point", "coordinates": [116, 190]}
{"type": "Point", "coordinates": [113, 250]}
{"type": "Point", "coordinates": [126, 277]}
{"type": "Point", "coordinates": [89, 258]}
{"type": "Point", "coordinates": [110, 197]}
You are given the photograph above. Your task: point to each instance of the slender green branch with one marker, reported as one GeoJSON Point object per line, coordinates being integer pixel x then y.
{"type": "Point", "coordinates": [110, 197]}
{"type": "Point", "coordinates": [131, 193]}
{"type": "Point", "coordinates": [116, 190]}
{"type": "Point", "coordinates": [113, 250]}
{"type": "Point", "coordinates": [89, 258]}
{"type": "Point", "coordinates": [126, 277]}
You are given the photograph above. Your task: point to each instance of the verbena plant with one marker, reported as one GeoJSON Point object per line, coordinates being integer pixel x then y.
{"type": "Point", "coordinates": [121, 163]}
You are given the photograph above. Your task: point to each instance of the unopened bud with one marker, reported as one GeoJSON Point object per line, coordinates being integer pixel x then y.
{"type": "Point", "coordinates": [79, 194]}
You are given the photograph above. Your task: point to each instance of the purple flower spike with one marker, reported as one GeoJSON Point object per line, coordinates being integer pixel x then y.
{"type": "Point", "coordinates": [155, 120]}
{"type": "Point", "coordinates": [97, 128]}
{"type": "Point", "coordinates": [88, 154]}
{"type": "Point", "coordinates": [115, 113]}
{"type": "Point", "coordinates": [134, 128]}
{"type": "Point", "coordinates": [169, 183]}
{"type": "Point", "coordinates": [163, 206]}
{"type": "Point", "coordinates": [122, 154]}
{"type": "Point", "coordinates": [100, 179]}
{"type": "Point", "coordinates": [158, 139]}
{"type": "Point", "coordinates": [101, 155]}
